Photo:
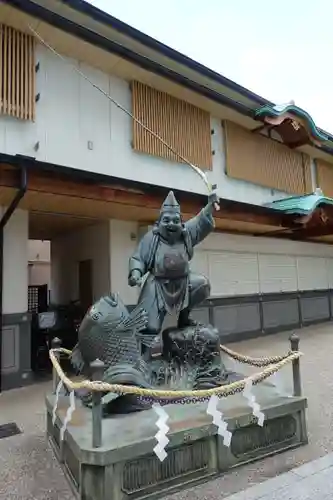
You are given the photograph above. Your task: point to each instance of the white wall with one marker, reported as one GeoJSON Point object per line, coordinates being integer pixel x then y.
{"type": "Point", "coordinates": [241, 265]}
{"type": "Point", "coordinates": [39, 269]}
{"type": "Point", "coordinates": [15, 266]}
{"type": "Point", "coordinates": [91, 242]}
{"type": "Point", "coordinates": [39, 274]}
{"type": "Point", "coordinates": [123, 241]}
{"type": "Point", "coordinates": [110, 245]}
{"type": "Point", "coordinates": [39, 251]}
{"type": "Point", "coordinates": [71, 112]}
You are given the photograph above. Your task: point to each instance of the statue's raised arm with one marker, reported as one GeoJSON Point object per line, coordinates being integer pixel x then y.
{"type": "Point", "coordinates": [200, 226]}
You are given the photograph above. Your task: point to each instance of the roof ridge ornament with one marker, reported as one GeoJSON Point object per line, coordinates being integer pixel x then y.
{"type": "Point", "coordinates": [294, 125]}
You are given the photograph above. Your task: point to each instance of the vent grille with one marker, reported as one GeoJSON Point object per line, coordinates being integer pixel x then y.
{"type": "Point", "coordinates": [149, 471]}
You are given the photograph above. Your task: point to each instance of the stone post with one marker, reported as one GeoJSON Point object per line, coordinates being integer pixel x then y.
{"type": "Point", "coordinates": [55, 344]}
{"type": "Point", "coordinates": [294, 345]}
{"type": "Point", "coordinates": [97, 370]}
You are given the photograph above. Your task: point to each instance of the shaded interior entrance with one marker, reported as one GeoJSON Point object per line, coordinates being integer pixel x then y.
{"type": "Point", "coordinates": [75, 279]}
{"type": "Point", "coordinates": [74, 215]}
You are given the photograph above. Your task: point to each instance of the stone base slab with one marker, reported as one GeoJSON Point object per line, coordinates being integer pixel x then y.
{"type": "Point", "coordinates": [125, 467]}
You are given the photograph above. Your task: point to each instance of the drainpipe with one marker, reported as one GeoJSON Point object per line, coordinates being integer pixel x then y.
{"type": "Point", "coordinates": [5, 218]}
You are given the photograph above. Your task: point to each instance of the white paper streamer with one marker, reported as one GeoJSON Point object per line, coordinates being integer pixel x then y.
{"type": "Point", "coordinates": [56, 401]}
{"type": "Point", "coordinates": [69, 414]}
{"type": "Point", "coordinates": [247, 393]}
{"type": "Point", "coordinates": [218, 420]}
{"type": "Point", "coordinates": [161, 437]}
{"type": "Point", "coordinates": [279, 385]}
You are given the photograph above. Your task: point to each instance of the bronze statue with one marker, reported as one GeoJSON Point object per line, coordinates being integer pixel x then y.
{"type": "Point", "coordinates": [111, 333]}
{"type": "Point", "coordinates": [164, 253]}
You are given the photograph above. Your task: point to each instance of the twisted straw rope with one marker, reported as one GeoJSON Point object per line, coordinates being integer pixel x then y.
{"type": "Point", "coordinates": [268, 360]}
{"type": "Point", "coordinates": [221, 391]}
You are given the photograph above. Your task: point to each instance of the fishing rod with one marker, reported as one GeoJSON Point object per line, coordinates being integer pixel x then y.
{"type": "Point", "coordinates": [211, 188]}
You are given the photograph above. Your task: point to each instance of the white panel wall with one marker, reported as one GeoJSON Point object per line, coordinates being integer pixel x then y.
{"type": "Point", "coordinates": [278, 273]}
{"type": "Point", "coordinates": [91, 242]}
{"type": "Point", "coordinates": [329, 270]}
{"type": "Point", "coordinates": [15, 268]}
{"type": "Point", "coordinates": [312, 271]}
{"type": "Point", "coordinates": [200, 263]}
{"type": "Point", "coordinates": [77, 126]}
{"type": "Point", "coordinates": [241, 265]}
{"type": "Point", "coordinates": [235, 273]}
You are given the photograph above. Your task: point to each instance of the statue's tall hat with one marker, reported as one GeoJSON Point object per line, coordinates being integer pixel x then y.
{"type": "Point", "coordinates": [170, 204]}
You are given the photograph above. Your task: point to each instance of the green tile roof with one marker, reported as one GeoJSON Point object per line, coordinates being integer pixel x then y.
{"type": "Point", "coordinates": [301, 205]}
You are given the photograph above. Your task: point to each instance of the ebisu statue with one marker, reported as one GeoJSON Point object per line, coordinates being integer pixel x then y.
{"type": "Point", "coordinates": [165, 253]}
{"type": "Point", "coordinates": [122, 339]}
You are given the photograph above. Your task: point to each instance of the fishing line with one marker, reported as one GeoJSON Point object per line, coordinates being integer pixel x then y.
{"type": "Point", "coordinates": [122, 108]}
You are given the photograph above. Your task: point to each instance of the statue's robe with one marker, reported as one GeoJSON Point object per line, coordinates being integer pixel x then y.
{"type": "Point", "coordinates": [170, 286]}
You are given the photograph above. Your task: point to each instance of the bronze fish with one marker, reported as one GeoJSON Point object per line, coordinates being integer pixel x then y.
{"type": "Point", "coordinates": [110, 333]}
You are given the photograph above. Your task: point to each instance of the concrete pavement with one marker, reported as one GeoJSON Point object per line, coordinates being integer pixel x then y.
{"type": "Point", "coordinates": [312, 481]}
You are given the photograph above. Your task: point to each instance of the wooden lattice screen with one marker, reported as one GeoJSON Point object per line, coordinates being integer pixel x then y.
{"type": "Point", "coordinates": [325, 177]}
{"type": "Point", "coordinates": [257, 159]}
{"type": "Point", "coordinates": [183, 126]}
{"type": "Point", "coordinates": [17, 73]}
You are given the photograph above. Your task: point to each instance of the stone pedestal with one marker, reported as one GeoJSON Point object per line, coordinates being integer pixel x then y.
{"type": "Point", "coordinates": [125, 466]}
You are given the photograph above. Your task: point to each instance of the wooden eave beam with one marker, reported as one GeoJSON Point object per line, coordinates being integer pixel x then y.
{"type": "Point", "coordinates": [314, 232]}
{"type": "Point", "coordinates": [46, 183]}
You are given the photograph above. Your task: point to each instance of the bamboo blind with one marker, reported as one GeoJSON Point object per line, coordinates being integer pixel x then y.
{"type": "Point", "coordinates": [254, 158]}
{"type": "Point", "coordinates": [17, 73]}
{"type": "Point", "coordinates": [183, 126]}
{"type": "Point", "coordinates": [325, 177]}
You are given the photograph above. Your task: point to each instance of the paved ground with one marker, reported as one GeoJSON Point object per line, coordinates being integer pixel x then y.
{"type": "Point", "coordinates": [312, 481]}
{"type": "Point", "coordinates": [28, 470]}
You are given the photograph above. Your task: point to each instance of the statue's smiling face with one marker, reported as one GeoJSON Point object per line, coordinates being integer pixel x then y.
{"type": "Point", "coordinates": [170, 225]}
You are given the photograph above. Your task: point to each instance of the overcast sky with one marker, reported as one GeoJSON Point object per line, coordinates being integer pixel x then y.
{"type": "Point", "coordinates": [281, 50]}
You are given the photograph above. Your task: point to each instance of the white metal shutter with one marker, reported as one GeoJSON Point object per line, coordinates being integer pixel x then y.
{"type": "Point", "coordinates": [312, 274]}
{"type": "Point", "coordinates": [278, 273]}
{"type": "Point", "coordinates": [199, 263]}
{"type": "Point", "coordinates": [233, 273]}
{"type": "Point", "coordinates": [329, 270]}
